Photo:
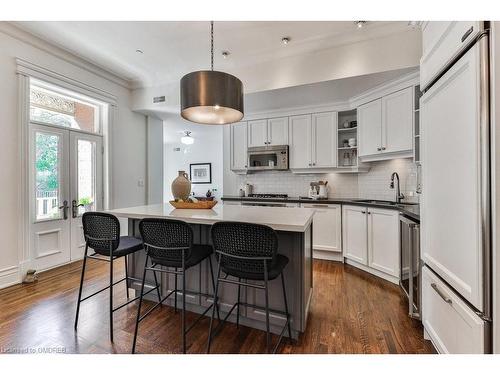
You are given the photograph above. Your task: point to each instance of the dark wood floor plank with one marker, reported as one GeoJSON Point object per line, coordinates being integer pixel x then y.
{"type": "Point", "coordinates": [351, 312]}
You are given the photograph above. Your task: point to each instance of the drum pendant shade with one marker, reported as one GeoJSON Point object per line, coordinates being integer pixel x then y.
{"type": "Point", "coordinates": [211, 97]}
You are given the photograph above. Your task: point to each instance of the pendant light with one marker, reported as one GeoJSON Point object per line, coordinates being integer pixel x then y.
{"type": "Point", "coordinates": [187, 139]}
{"type": "Point", "coordinates": [211, 97]}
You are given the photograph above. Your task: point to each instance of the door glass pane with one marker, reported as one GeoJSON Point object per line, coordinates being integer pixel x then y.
{"type": "Point", "coordinates": [50, 107]}
{"type": "Point", "coordinates": [86, 175]}
{"type": "Point", "coordinates": [47, 177]}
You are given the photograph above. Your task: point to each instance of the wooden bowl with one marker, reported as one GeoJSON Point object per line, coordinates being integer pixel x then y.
{"type": "Point", "coordinates": [191, 205]}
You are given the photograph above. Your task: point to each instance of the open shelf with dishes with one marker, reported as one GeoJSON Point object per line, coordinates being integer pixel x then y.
{"type": "Point", "coordinates": [347, 139]}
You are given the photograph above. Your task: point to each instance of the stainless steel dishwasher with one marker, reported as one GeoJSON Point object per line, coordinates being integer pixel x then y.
{"type": "Point", "coordinates": [411, 265]}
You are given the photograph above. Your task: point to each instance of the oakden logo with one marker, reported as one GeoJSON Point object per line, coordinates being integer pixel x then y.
{"type": "Point", "coordinates": [28, 350]}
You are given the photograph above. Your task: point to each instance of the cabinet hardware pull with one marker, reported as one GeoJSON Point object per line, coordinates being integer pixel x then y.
{"type": "Point", "coordinates": [383, 148]}
{"type": "Point", "coordinates": [368, 212]}
{"type": "Point", "coordinates": [379, 149]}
{"type": "Point", "coordinates": [441, 294]}
{"type": "Point", "coordinates": [363, 212]}
{"type": "Point", "coordinates": [467, 33]}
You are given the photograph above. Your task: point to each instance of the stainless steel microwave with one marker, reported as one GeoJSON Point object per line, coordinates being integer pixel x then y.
{"type": "Point", "coordinates": [268, 158]}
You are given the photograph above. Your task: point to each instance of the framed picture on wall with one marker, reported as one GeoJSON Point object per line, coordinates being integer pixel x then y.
{"type": "Point", "coordinates": [200, 173]}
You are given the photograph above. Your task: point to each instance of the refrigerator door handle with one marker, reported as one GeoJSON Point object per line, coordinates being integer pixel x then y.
{"type": "Point", "coordinates": [484, 99]}
{"type": "Point", "coordinates": [441, 294]}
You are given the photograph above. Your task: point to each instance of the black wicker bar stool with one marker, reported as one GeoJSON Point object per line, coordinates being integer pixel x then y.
{"type": "Point", "coordinates": [102, 234]}
{"type": "Point", "coordinates": [248, 252]}
{"type": "Point", "coordinates": [170, 249]}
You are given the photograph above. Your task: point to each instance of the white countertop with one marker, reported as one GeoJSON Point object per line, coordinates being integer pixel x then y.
{"type": "Point", "coordinates": [290, 219]}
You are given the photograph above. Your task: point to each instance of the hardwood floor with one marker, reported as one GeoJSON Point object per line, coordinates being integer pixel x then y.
{"type": "Point", "coordinates": [351, 312]}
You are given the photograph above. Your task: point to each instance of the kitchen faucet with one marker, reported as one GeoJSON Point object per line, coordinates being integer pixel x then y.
{"type": "Point", "coordinates": [399, 196]}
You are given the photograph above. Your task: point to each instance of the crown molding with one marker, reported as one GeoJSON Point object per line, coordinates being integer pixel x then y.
{"type": "Point", "coordinates": [18, 33]}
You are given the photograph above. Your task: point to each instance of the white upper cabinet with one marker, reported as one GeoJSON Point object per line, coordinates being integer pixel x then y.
{"type": "Point", "coordinates": [239, 146]}
{"type": "Point", "coordinates": [300, 133]}
{"type": "Point", "coordinates": [397, 120]}
{"type": "Point", "coordinates": [383, 240]}
{"type": "Point", "coordinates": [386, 127]}
{"type": "Point", "coordinates": [354, 233]}
{"type": "Point", "coordinates": [370, 128]}
{"type": "Point", "coordinates": [267, 132]}
{"type": "Point", "coordinates": [277, 131]}
{"type": "Point", "coordinates": [442, 41]}
{"type": "Point", "coordinates": [257, 133]}
{"type": "Point", "coordinates": [324, 137]}
{"type": "Point", "coordinates": [313, 140]}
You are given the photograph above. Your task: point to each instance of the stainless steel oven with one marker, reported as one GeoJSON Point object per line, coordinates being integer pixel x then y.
{"type": "Point", "coordinates": [267, 158]}
{"type": "Point", "coordinates": [411, 266]}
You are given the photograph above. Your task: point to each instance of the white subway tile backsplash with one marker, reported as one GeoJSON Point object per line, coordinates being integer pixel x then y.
{"type": "Point", "coordinates": [373, 184]}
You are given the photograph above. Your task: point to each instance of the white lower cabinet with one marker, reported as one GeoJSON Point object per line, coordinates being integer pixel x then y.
{"type": "Point", "coordinates": [371, 239]}
{"type": "Point", "coordinates": [354, 233]}
{"type": "Point", "coordinates": [383, 240]}
{"type": "Point", "coordinates": [327, 230]}
{"type": "Point", "coordinates": [452, 326]}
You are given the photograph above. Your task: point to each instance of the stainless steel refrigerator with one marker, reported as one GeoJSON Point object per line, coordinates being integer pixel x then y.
{"type": "Point", "coordinates": [455, 202]}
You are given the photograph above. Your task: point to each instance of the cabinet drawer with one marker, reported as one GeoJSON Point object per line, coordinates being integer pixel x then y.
{"type": "Point", "coordinates": [453, 327]}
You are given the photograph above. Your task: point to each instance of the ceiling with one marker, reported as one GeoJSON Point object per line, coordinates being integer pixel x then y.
{"type": "Point", "coordinates": [172, 49]}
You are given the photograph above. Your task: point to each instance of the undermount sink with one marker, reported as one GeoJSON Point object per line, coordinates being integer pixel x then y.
{"type": "Point", "coordinates": [390, 203]}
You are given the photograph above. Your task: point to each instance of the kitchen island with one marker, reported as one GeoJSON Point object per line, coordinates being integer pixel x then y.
{"type": "Point", "coordinates": [294, 229]}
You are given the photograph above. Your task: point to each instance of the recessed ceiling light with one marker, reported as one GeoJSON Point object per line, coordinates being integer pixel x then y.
{"type": "Point", "coordinates": [285, 40]}
{"type": "Point", "coordinates": [360, 24]}
{"type": "Point", "coordinates": [225, 54]}
{"type": "Point", "coordinates": [139, 51]}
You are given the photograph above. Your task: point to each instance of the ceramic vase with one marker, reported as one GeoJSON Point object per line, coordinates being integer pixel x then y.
{"type": "Point", "coordinates": [181, 186]}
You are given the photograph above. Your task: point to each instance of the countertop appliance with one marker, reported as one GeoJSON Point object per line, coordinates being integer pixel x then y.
{"type": "Point", "coordinates": [410, 278]}
{"type": "Point", "coordinates": [266, 158]}
{"type": "Point", "coordinates": [455, 202]}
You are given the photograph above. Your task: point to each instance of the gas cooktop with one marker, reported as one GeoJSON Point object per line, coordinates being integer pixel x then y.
{"type": "Point", "coordinates": [267, 195]}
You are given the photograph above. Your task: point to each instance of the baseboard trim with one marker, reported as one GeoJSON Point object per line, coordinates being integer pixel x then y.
{"type": "Point", "coordinates": [9, 276]}
{"type": "Point", "coordinates": [327, 255]}
{"type": "Point", "coordinates": [392, 279]}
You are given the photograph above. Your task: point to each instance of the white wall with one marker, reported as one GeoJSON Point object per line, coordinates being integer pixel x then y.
{"type": "Point", "coordinates": [398, 51]}
{"type": "Point", "coordinates": [128, 159]}
{"type": "Point", "coordinates": [207, 148]}
{"type": "Point", "coordinates": [155, 160]}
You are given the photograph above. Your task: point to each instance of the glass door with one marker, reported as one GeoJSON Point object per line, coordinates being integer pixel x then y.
{"type": "Point", "coordinates": [66, 171]}
{"type": "Point", "coordinates": [50, 193]}
{"type": "Point", "coordinates": [86, 184]}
